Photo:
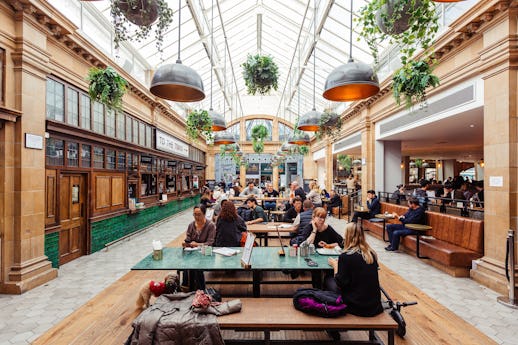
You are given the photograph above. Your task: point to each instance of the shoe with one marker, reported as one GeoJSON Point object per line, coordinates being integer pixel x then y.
{"type": "Point", "coordinates": [390, 249]}
{"type": "Point", "coordinates": [335, 335]}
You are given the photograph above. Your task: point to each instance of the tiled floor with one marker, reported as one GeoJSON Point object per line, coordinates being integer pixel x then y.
{"type": "Point", "coordinates": [25, 317]}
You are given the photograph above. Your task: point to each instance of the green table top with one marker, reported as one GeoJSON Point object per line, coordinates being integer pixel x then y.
{"type": "Point", "coordinates": [263, 258]}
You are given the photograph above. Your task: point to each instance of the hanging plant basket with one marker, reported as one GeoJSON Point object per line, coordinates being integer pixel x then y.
{"type": "Point", "coordinates": [261, 74]}
{"type": "Point", "coordinates": [394, 17]}
{"type": "Point", "coordinates": [106, 86]}
{"type": "Point", "coordinates": [330, 125]}
{"type": "Point", "coordinates": [134, 19]}
{"type": "Point", "coordinates": [140, 12]}
{"type": "Point", "coordinates": [411, 82]}
{"type": "Point", "coordinates": [199, 123]}
{"type": "Point", "coordinates": [258, 134]}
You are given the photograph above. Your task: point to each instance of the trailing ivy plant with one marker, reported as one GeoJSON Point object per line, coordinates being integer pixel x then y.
{"type": "Point", "coordinates": [232, 151]}
{"type": "Point", "coordinates": [106, 86]}
{"type": "Point", "coordinates": [419, 163]}
{"type": "Point", "coordinates": [423, 24]}
{"type": "Point", "coordinates": [261, 74]}
{"type": "Point", "coordinates": [199, 123]}
{"type": "Point", "coordinates": [330, 125]}
{"type": "Point", "coordinates": [411, 81]}
{"type": "Point", "coordinates": [134, 19]}
{"type": "Point", "coordinates": [258, 134]}
{"type": "Point", "coordinates": [303, 150]}
{"type": "Point", "coordinates": [411, 24]}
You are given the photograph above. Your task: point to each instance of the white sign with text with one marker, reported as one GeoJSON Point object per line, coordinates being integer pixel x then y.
{"type": "Point", "coordinates": [165, 142]}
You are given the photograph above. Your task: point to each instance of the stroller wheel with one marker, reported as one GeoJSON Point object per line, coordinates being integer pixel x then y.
{"type": "Point", "coordinates": [401, 329]}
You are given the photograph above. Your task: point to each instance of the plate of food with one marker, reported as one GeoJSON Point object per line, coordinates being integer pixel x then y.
{"type": "Point", "coordinates": [329, 250]}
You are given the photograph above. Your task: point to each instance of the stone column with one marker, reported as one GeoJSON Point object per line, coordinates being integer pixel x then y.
{"type": "Point", "coordinates": [500, 76]}
{"type": "Point", "coordinates": [368, 155]}
{"type": "Point", "coordinates": [24, 264]}
{"type": "Point", "coordinates": [329, 166]}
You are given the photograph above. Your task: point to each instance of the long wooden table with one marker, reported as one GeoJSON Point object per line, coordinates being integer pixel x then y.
{"type": "Point", "coordinates": [263, 229]}
{"type": "Point", "coordinates": [263, 259]}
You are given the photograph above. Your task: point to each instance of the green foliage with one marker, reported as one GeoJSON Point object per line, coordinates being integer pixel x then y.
{"type": "Point", "coordinates": [106, 86]}
{"type": "Point", "coordinates": [345, 162]}
{"type": "Point", "coordinates": [123, 12]}
{"type": "Point", "coordinates": [231, 150]}
{"type": "Point", "coordinates": [330, 125]}
{"type": "Point", "coordinates": [259, 132]}
{"type": "Point", "coordinates": [418, 163]}
{"type": "Point", "coordinates": [303, 150]}
{"type": "Point", "coordinates": [260, 73]}
{"type": "Point", "coordinates": [423, 24]}
{"type": "Point", "coordinates": [199, 123]}
{"type": "Point", "coordinates": [414, 77]}
{"type": "Point", "coordinates": [411, 81]}
{"type": "Point", "coordinates": [258, 146]}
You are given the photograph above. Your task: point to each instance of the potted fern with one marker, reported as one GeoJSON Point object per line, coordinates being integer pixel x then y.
{"type": "Point", "coordinates": [261, 74]}
{"type": "Point", "coordinates": [134, 19]}
{"type": "Point", "coordinates": [106, 86]}
{"type": "Point", "coordinates": [259, 132]}
{"type": "Point", "coordinates": [199, 123]}
{"type": "Point", "coordinates": [412, 24]}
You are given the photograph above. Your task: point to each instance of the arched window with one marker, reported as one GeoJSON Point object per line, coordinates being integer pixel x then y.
{"type": "Point", "coordinates": [284, 132]}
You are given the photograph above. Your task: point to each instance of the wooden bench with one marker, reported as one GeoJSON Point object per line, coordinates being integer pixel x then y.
{"type": "Point", "coordinates": [275, 314]}
{"type": "Point", "coordinates": [455, 241]}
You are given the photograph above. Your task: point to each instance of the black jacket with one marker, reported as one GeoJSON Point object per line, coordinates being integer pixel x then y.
{"type": "Point", "coordinates": [228, 233]}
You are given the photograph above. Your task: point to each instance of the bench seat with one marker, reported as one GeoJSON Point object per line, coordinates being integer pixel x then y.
{"type": "Point", "coordinates": [257, 315]}
{"type": "Point", "coordinates": [455, 242]}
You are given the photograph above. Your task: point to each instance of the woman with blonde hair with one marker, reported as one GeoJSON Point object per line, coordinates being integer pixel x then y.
{"type": "Point", "coordinates": [314, 194]}
{"type": "Point", "coordinates": [356, 274]}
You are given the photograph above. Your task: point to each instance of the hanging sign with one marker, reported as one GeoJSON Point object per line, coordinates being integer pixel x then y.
{"type": "Point", "coordinates": [165, 142]}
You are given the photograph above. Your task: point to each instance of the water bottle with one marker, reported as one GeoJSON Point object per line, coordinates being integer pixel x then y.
{"type": "Point", "coordinates": [311, 249]}
{"type": "Point", "coordinates": [304, 249]}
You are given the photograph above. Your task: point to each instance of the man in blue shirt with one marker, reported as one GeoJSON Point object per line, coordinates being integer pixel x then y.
{"type": "Point", "coordinates": [414, 215]}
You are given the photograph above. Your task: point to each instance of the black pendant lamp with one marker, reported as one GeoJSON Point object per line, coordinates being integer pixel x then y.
{"type": "Point", "coordinates": [300, 138]}
{"type": "Point", "coordinates": [352, 81]}
{"type": "Point", "coordinates": [218, 121]}
{"type": "Point", "coordinates": [224, 138]}
{"type": "Point", "coordinates": [310, 121]}
{"type": "Point", "coordinates": [177, 82]}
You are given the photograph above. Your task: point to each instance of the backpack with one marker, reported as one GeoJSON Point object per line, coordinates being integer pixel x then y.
{"type": "Point", "coordinates": [319, 302]}
{"type": "Point", "coordinates": [245, 213]}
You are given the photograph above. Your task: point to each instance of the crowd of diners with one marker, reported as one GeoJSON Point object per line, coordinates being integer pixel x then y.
{"type": "Point", "coordinates": [355, 271]}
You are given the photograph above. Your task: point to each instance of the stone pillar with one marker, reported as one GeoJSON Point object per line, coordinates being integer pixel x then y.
{"type": "Point", "coordinates": [275, 177]}
{"type": "Point", "coordinates": [388, 165]}
{"type": "Point", "coordinates": [329, 167]}
{"type": "Point", "coordinates": [500, 77]}
{"type": "Point", "coordinates": [24, 264]}
{"type": "Point", "coordinates": [368, 155]}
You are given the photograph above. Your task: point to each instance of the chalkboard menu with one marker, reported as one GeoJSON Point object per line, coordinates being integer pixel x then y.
{"type": "Point", "coordinates": [187, 166]}
{"type": "Point", "coordinates": [146, 159]}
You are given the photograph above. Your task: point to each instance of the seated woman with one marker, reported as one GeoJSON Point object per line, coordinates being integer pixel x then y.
{"type": "Point", "coordinates": [356, 275]}
{"type": "Point", "coordinates": [320, 233]}
{"type": "Point", "coordinates": [229, 226]}
{"type": "Point", "coordinates": [200, 232]}
{"type": "Point", "coordinates": [314, 194]}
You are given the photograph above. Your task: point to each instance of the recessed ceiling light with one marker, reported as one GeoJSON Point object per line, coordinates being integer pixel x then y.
{"type": "Point", "coordinates": [471, 126]}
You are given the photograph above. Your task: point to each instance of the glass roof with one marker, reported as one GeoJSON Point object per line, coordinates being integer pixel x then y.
{"type": "Point", "coordinates": [282, 29]}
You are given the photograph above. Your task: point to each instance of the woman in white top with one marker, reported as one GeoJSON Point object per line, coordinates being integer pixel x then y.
{"type": "Point", "coordinates": [314, 194]}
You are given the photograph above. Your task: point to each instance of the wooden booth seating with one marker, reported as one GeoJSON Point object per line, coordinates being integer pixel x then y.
{"type": "Point", "coordinates": [256, 315]}
{"type": "Point", "coordinates": [455, 241]}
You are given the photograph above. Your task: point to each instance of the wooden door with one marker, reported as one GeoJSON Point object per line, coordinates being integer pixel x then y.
{"type": "Point", "coordinates": [72, 236]}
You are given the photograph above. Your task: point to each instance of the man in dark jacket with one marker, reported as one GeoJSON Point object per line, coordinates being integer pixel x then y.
{"type": "Point", "coordinates": [301, 223]}
{"type": "Point", "coordinates": [414, 215]}
{"type": "Point", "coordinates": [373, 204]}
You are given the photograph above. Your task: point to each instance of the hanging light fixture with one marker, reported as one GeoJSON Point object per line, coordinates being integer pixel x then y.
{"type": "Point", "coordinates": [310, 121]}
{"type": "Point", "coordinates": [177, 82]}
{"type": "Point", "coordinates": [300, 139]}
{"type": "Point", "coordinates": [224, 138]}
{"type": "Point", "coordinates": [218, 121]}
{"type": "Point", "coordinates": [352, 81]}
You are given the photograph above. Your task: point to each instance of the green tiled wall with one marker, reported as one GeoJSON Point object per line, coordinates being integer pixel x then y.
{"type": "Point", "coordinates": [111, 229]}
{"type": "Point", "coordinates": [52, 248]}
